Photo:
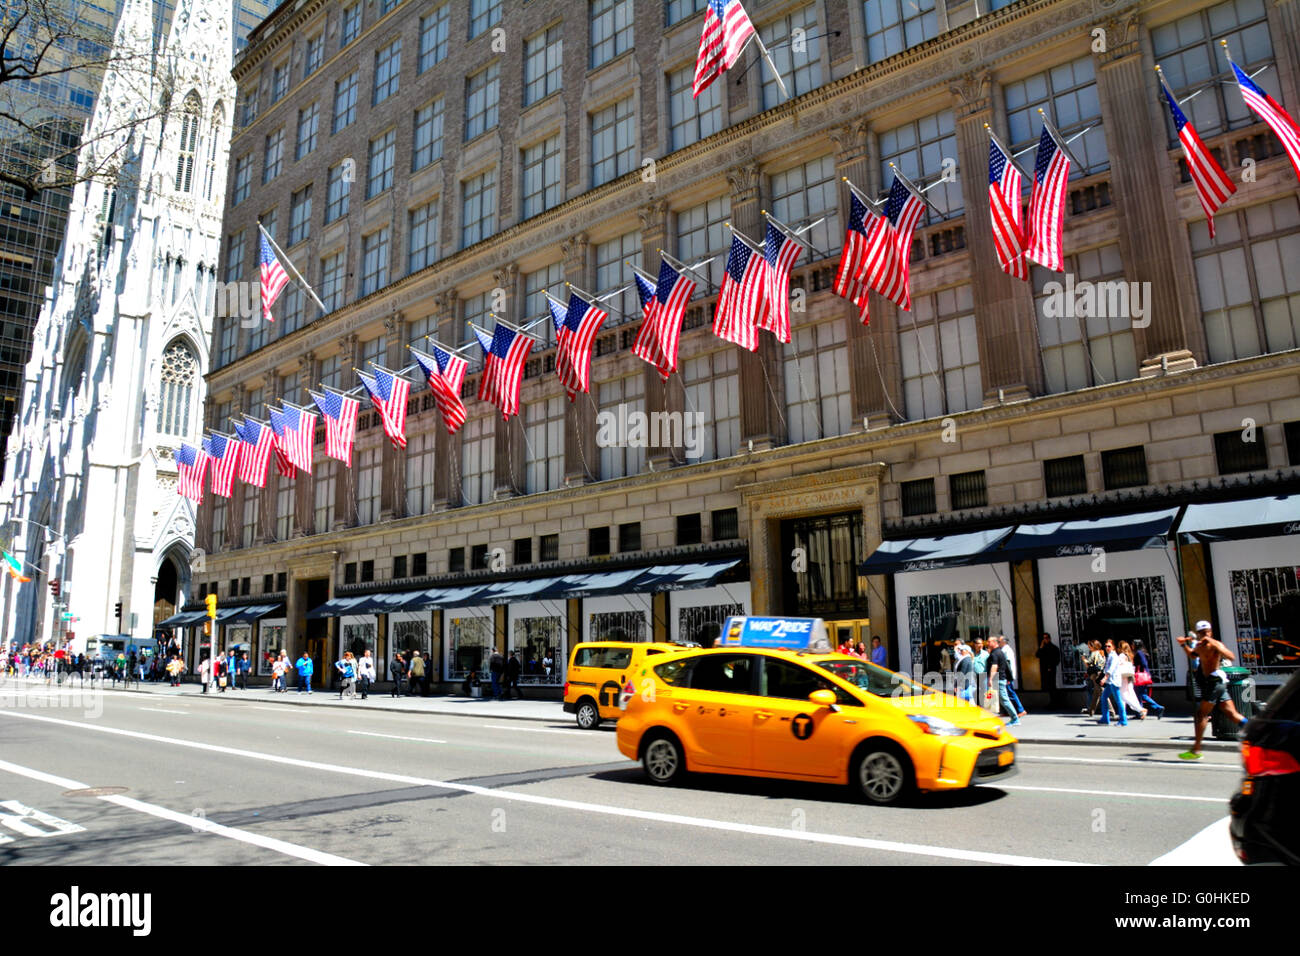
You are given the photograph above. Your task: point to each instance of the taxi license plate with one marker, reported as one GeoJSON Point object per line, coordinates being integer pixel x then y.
{"type": "Point", "coordinates": [1006, 757]}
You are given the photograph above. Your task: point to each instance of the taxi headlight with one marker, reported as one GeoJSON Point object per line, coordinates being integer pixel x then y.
{"type": "Point", "coordinates": [940, 728]}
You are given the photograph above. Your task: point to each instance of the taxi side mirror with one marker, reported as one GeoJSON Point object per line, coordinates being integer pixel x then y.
{"type": "Point", "coordinates": [823, 698]}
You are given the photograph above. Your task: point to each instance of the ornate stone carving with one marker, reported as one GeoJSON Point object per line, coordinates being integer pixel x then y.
{"type": "Point", "coordinates": [653, 217]}
{"type": "Point", "coordinates": [1121, 38]}
{"type": "Point", "coordinates": [348, 350]}
{"type": "Point", "coordinates": [971, 92]}
{"type": "Point", "coordinates": [850, 141]}
{"type": "Point", "coordinates": [575, 248]}
{"type": "Point", "coordinates": [743, 180]}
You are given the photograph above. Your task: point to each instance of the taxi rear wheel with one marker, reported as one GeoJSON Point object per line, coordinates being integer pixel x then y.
{"type": "Point", "coordinates": [883, 775]}
{"type": "Point", "coordinates": [588, 714]}
{"type": "Point", "coordinates": [662, 758]}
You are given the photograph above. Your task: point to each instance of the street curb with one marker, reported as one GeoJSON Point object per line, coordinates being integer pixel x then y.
{"type": "Point", "coordinates": [1216, 745]}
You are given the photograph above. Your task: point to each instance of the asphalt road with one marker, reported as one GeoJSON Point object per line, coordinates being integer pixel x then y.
{"type": "Point", "coordinates": [129, 780]}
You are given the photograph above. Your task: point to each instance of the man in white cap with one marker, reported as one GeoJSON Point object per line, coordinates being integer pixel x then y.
{"type": "Point", "coordinates": [1205, 657]}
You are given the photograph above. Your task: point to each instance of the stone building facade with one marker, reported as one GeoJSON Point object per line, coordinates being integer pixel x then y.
{"type": "Point", "coordinates": [441, 162]}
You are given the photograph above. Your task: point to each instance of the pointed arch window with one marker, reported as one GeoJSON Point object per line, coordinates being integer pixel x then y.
{"type": "Point", "coordinates": [188, 144]}
{"type": "Point", "coordinates": [214, 139]}
{"type": "Point", "coordinates": [180, 368]}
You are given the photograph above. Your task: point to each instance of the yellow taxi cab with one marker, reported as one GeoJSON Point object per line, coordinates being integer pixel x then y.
{"type": "Point", "coordinates": [773, 700]}
{"type": "Point", "coordinates": [597, 672]}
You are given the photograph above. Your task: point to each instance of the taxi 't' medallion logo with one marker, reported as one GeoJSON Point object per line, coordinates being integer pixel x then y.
{"type": "Point", "coordinates": [802, 726]}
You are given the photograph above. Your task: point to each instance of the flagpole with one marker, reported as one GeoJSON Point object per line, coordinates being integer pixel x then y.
{"type": "Point", "coordinates": [874, 204]}
{"type": "Point", "coordinates": [791, 234]}
{"type": "Point", "coordinates": [284, 255]}
{"type": "Point", "coordinates": [644, 275]}
{"type": "Point", "coordinates": [1056, 137]}
{"type": "Point", "coordinates": [521, 329]}
{"type": "Point", "coordinates": [593, 299]}
{"type": "Point", "coordinates": [911, 187]}
{"type": "Point", "coordinates": [776, 74]}
{"type": "Point", "coordinates": [753, 246]}
{"type": "Point", "coordinates": [445, 348]}
{"type": "Point", "coordinates": [1005, 151]}
{"type": "Point", "coordinates": [683, 267]}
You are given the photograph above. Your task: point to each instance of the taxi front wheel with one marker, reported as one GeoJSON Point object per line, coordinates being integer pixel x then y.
{"type": "Point", "coordinates": [882, 775]}
{"type": "Point", "coordinates": [662, 759]}
{"type": "Point", "coordinates": [588, 714]}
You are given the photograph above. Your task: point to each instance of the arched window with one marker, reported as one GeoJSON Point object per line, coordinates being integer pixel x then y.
{"type": "Point", "coordinates": [188, 144]}
{"type": "Point", "coordinates": [180, 370]}
{"type": "Point", "coordinates": [214, 139]}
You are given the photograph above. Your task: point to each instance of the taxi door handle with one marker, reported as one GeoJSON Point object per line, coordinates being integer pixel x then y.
{"type": "Point", "coordinates": [763, 714]}
{"type": "Point", "coordinates": [678, 708]}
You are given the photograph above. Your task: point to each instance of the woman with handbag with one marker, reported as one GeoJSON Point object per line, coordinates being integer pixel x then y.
{"type": "Point", "coordinates": [1143, 681]}
{"type": "Point", "coordinates": [1128, 693]}
{"type": "Point", "coordinates": [1095, 663]}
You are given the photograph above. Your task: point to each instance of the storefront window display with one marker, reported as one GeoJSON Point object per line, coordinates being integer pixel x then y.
{"type": "Point", "coordinates": [534, 639]}
{"type": "Point", "coordinates": [469, 639]}
{"type": "Point", "coordinates": [935, 621]}
{"type": "Point", "coordinates": [619, 626]}
{"type": "Point", "coordinates": [1266, 613]}
{"type": "Point", "coordinates": [272, 638]}
{"type": "Point", "coordinates": [1123, 609]}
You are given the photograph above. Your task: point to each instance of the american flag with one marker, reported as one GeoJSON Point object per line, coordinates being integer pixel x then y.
{"type": "Point", "coordinates": [727, 28]}
{"type": "Point", "coordinates": [191, 463]}
{"type": "Point", "coordinates": [645, 294]}
{"type": "Point", "coordinates": [657, 340]}
{"type": "Point", "coordinates": [742, 303]}
{"type": "Point", "coordinates": [223, 457]}
{"type": "Point", "coordinates": [389, 392]}
{"type": "Point", "coordinates": [1213, 187]}
{"type": "Point", "coordinates": [889, 244]}
{"type": "Point", "coordinates": [445, 371]}
{"type": "Point", "coordinates": [851, 280]}
{"type": "Point", "coordinates": [781, 252]}
{"type": "Point", "coordinates": [274, 279]}
{"type": "Point", "coordinates": [573, 356]}
{"type": "Point", "coordinates": [504, 354]}
{"type": "Point", "coordinates": [646, 346]}
{"type": "Point", "coordinates": [295, 434]}
{"type": "Point", "coordinates": [340, 414]}
{"type": "Point", "coordinates": [1007, 214]}
{"type": "Point", "coordinates": [1271, 112]}
{"type": "Point", "coordinates": [258, 439]}
{"type": "Point", "coordinates": [1046, 236]}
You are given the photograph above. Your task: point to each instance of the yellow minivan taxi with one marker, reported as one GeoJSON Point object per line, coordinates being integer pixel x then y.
{"type": "Point", "coordinates": [597, 672]}
{"type": "Point", "coordinates": [798, 715]}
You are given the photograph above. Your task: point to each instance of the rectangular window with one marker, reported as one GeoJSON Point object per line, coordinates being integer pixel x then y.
{"type": "Point", "coordinates": [549, 546]}
{"type": "Point", "coordinates": [388, 71]}
{"type": "Point", "coordinates": [968, 490]}
{"type": "Point", "coordinates": [300, 215]}
{"type": "Point", "coordinates": [478, 555]}
{"type": "Point", "coordinates": [379, 164]}
{"type": "Point", "coordinates": [369, 475]}
{"type": "Point", "coordinates": [482, 93]}
{"type": "Point", "coordinates": [800, 64]}
{"type": "Point", "coordinates": [702, 232]}
{"type": "Point", "coordinates": [1235, 455]}
{"type": "Point", "coordinates": [482, 15]}
{"type": "Point", "coordinates": [897, 25]}
{"type": "Point", "coordinates": [1065, 476]}
{"type": "Point", "coordinates": [314, 56]}
{"type": "Point", "coordinates": [597, 541]}
{"type": "Point", "coordinates": [279, 81]}
{"type": "Point", "coordinates": [543, 167]}
{"type": "Point", "coordinates": [477, 457]}
{"type": "Point", "coordinates": [920, 149]}
{"type": "Point", "coordinates": [818, 393]}
{"type": "Point", "coordinates": [273, 155]}
{"type": "Point", "coordinates": [336, 203]}
{"type": "Point", "coordinates": [331, 283]}
{"type": "Point", "coordinates": [426, 147]}
{"type": "Point", "coordinates": [675, 11]}
{"type": "Point", "coordinates": [918, 497]}
{"type": "Point", "coordinates": [268, 581]}
{"type": "Point", "coordinates": [323, 481]}
{"type": "Point", "coordinates": [523, 551]}
{"type": "Point", "coordinates": [611, 30]}
{"type": "Point", "coordinates": [623, 398]}
{"type": "Point", "coordinates": [803, 194]}
{"type": "Point", "coordinates": [713, 389]}
{"type": "Point", "coordinates": [281, 580]}
{"type": "Point", "coordinates": [248, 107]}
{"type": "Point", "coordinates": [433, 37]}
{"type": "Point", "coordinates": [387, 6]}
{"type": "Point", "coordinates": [345, 101]}
{"type": "Point", "coordinates": [350, 27]}
{"type": "Point", "coordinates": [1291, 432]}
{"type": "Point", "coordinates": [478, 217]}
{"type": "Point", "coordinates": [629, 537]}
{"type": "Point", "coordinates": [536, 286]}
{"type": "Point", "coordinates": [542, 53]}
{"type": "Point", "coordinates": [374, 261]}
{"type": "Point", "coordinates": [399, 566]}
{"type": "Point", "coordinates": [455, 560]}
{"type": "Point", "coordinates": [229, 338]}
{"type": "Point", "coordinates": [252, 507]}
{"type": "Point", "coordinates": [690, 119]}
{"type": "Point", "coordinates": [689, 530]}
{"type": "Point", "coordinates": [235, 256]}
{"type": "Point", "coordinates": [613, 142]}
{"type": "Point", "coordinates": [1068, 93]}
{"type": "Point", "coordinates": [243, 178]}
{"type": "Point", "coordinates": [284, 509]}
{"type": "Point", "coordinates": [611, 268]}
{"type": "Point", "coordinates": [350, 573]}
{"type": "Point", "coordinates": [544, 457]}
{"type": "Point", "coordinates": [367, 571]}
{"type": "Point", "coordinates": [1124, 467]}
{"type": "Point", "coordinates": [419, 473]}
{"type": "Point", "coordinates": [419, 565]}
{"type": "Point", "coordinates": [308, 123]}
{"type": "Point", "coordinates": [289, 308]}
{"type": "Point", "coordinates": [423, 237]}
{"type": "Point", "coordinates": [833, 544]}
{"type": "Point", "coordinates": [726, 524]}
{"type": "Point", "coordinates": [940, 355]}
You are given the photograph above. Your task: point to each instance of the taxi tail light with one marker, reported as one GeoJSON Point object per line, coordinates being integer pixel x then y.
{"type": "Point", "coordinates": [1263, 762]}
{"type": "Point", "coordinates": [566, 688]}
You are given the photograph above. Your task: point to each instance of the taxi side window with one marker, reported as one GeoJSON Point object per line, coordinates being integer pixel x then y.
{"type": "Point", "coordinates": [730, 674]}
{"type": "Point", "coordinates": [676, 673]}
{"type": "Point", "coordinates": [783, 679]}
{"type": "Point", "coordinates": [611, 658]}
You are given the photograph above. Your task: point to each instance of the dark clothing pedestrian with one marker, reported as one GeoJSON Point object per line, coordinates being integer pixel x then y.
{"type": "Point", "coordinates": [512, 677]}
{"type": "Point", "coordinates": [1049, 660]}
{"type": "Point", "coordinates": [398, 667]}
{"type": "Point", "coordinates": [497, 668]}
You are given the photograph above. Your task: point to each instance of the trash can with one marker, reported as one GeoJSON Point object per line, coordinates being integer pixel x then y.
{"type": "Point", "coordinates": [476, 690]}
{"type": "Point", "coordinates": [1242, 688]}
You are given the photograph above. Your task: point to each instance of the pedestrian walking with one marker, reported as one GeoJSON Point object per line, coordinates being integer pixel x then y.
{"type": "Point", "coordinates": [1094, 665]}
{"type": "Point", "coordinates": [878, 653]}
{"type": "Point", "coordinates": [205, 673]}
{"type": "Point", "coordinates": [365, 673]}
{"type": "Point", "coordinates": [1049, 659]}
{"type": "Point", "coordinates": [243, 664]}
{"type": "Point", "coordinates": [512, 675]}
{"type": "Point", "coordinates": [398, 669]}
{"type": "Point", "coordinates": [415, 676]}
{"type": "Point", "coordinates": [1210, 683]}
{"type": "Point", "coordinates": [1008, 648]}
{"type": "Point", "coordinates": [305, 668]}
{"type": "Point", "coordinates": [287, 666]}
{"type": "Point", "coordinates": [347, 668]}
{"type": "Point", "coordinates": [1112, 682]}
{"type": "Point", "coordinates": [496, 667]}
{"type": "Point", "coordinates": [1143, 680]}
{"type": "Point", "coordinates": [965, 671]}
{"type": "Point", "coordinates": [997, 671]}
{"type": "Point", "coordinates": [278, 667]}
{"type": "Point", "coordinates": [1127, 673]}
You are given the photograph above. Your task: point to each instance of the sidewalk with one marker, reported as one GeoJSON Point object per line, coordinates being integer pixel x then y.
{"type": "Point", "coordinates": [1039, 727]}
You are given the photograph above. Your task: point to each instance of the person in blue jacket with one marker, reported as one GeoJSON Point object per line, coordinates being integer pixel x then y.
{"type": "Point", "coordinates": [305, 667]}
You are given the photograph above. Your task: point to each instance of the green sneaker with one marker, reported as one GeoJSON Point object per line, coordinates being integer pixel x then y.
{"type": "Point", "coordinates": [1189, 755]}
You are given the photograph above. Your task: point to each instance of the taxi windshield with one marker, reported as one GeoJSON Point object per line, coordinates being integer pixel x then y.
{"type": "Point", "coordinates": [874, 679]}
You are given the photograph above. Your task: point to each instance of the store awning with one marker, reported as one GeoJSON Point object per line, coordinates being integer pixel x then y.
{"type": "Point", "coordinates": [1234, 520]}
{"type": "Point", "coordinates": [601, 582]}
{"type": "Point", "coordinates": [931, 554]}
{"type": "Point", "coordinates": [680, 577]}
{"type": "Point", "coordinates": [246, 615]}
{"type": "Point", "coordinates": [443, 597]}
{"type": "Point", "coordinates": [1061, 539]}
{"type": "Point", "coordinates": [531, 589]}
{"type": "Point", "coordinates": [227, 614]}
{"type": "Point", "coordinates": [337, 607]}
{"type": "Point", "coordinates": [182, 619]}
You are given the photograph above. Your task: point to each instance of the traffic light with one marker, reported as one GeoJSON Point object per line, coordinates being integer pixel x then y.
{"type": "Point", "coordinates": [117, 610]}
{"type": "Point", "coordinates": [211, 602]}
{"type": "Point", "coordinates": [55, 587]}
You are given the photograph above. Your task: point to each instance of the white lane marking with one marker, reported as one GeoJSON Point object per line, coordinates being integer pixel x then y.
{"type": "Point", "coordinates": [197, 823]}
{"type": "Point", "coordinates": [950, 853]}
{"type": "Point", "coordinates": [278, 710]}
{"type": "Point", "coordinates": [23, 818]}
{"type": "Point", "coordinates": [1133, 760]}
{"type": "Point", "coordinates": [542, 730]}
{"type": "Point", "coordinates": [1210, 847]}
{"type": "Point", "coordinates": [1113, 793]}
{"type": "Point", "coordinates": [160, 710]}
{"type": "Point", "coordinates": [424, 740]}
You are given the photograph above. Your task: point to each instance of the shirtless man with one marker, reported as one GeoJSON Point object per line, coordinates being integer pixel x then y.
{"type": "Point", "coordinates": [1211, 684]}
